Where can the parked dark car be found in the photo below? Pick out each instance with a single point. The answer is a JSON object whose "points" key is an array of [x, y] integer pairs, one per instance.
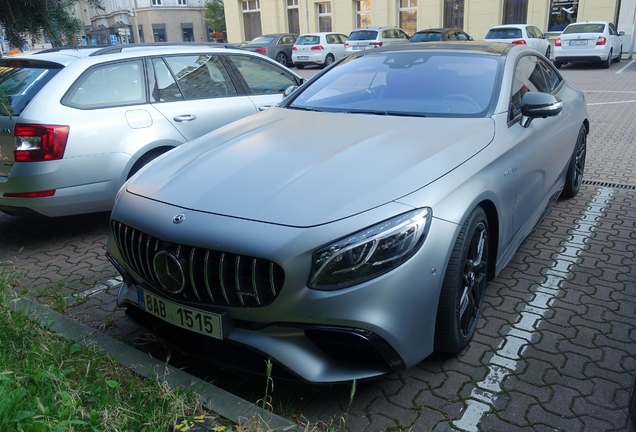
{"points": [[275, 46], [441, 34]]}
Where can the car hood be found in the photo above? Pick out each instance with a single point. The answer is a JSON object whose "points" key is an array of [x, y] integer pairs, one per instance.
{"points": [[300, 168]]}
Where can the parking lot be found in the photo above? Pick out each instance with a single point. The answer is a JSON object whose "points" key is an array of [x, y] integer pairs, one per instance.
{"points": [[555, 348]]}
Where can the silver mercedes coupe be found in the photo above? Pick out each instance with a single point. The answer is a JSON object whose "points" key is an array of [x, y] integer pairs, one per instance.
{"points": [[351, 231]]}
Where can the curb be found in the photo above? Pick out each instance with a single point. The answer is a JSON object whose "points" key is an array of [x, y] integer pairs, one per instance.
{"points": [[217, 400]]}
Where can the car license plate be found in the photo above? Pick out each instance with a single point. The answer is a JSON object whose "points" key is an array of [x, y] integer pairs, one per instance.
{"points": [[578, 42], [356, 47], [303, 57], [205, 323]]}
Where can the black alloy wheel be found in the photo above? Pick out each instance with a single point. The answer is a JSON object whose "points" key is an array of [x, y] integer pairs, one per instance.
{"points": [[465, 282], [328, 60], [281, 58], [576, 168]]}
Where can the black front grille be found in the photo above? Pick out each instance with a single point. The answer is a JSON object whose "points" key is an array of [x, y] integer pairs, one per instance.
{"points": [[212, 277]]}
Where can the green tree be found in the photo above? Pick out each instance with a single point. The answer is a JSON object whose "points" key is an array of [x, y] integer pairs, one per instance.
{"points": [[215, 15], [23, 19]]}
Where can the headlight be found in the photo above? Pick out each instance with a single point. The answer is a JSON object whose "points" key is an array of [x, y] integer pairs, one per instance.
{"points": [[371, 252]]}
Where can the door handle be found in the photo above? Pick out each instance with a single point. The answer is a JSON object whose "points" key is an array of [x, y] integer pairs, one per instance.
{"points": [[264, 107], [184, 118]]}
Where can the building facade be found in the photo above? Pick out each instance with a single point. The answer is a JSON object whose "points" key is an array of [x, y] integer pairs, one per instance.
{"points": [[247, 19], [154, 20]]}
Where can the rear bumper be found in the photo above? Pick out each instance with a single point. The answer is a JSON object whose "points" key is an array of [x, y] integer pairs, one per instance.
{"points": [[579, 59]]}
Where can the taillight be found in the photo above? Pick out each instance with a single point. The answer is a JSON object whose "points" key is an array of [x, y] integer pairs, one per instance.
{"points": [[317, 48], [519, 42], [346, 44], [376, 44], [294, 48], [261, 50], [39, 194], [602, 40], [37, 143], [557, 42]]}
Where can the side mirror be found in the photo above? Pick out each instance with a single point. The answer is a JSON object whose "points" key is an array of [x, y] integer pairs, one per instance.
{"points": [[539, 105], [289, 90], [470, 38], [621, 33]]}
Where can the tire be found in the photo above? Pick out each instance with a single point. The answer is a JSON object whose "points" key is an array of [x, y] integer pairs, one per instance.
{"points": [[632, 402], [606, 63], [144, 160], [281, 58], [299, 66], [547, 52], [557, 64], [328, 60], [576, 167], [465, 281], [620, 54]]}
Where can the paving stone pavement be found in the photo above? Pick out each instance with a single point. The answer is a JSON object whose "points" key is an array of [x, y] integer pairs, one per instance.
{"points": [[555, 348]]}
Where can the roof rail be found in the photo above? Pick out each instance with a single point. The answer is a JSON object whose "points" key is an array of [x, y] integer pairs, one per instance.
{"points": [[69, 48], [110, 49]]}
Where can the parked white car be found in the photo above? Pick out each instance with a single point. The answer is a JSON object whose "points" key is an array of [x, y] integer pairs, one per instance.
{"points": [[374, 37], [594, 41], [320, 49], [520, 34]]}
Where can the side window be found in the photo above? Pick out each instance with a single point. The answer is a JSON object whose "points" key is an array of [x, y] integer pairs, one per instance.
{"points": [[462, 36], [553, 80], [261, 76], [612, 29], [401, 34], [528, 78], [343, 38], [110, 85], [201, 76], [166, 89], [331, 39]]}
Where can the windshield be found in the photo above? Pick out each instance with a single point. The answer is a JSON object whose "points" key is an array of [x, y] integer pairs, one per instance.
{"points": [[504, 33], [584, 28], [413, 83]]}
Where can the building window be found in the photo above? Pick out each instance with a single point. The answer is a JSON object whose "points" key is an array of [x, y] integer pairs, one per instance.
{"points": [[293, 18], [324, 17], [562, 13], [454, 13], [515, 12], [159, 32], [156, 2], [182, 2], [407, 16], [363, 13], [187, 32], [251, 19]]}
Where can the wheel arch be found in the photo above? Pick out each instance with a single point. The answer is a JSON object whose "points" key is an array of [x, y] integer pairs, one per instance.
{"points": [[493, 238], [137, 161]]}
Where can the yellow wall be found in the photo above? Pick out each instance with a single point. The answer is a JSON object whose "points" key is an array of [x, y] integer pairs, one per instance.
{"points": [[479, 15]]}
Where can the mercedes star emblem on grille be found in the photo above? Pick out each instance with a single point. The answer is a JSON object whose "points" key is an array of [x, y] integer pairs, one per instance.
{"points": [[169, 271], [179, 218]]}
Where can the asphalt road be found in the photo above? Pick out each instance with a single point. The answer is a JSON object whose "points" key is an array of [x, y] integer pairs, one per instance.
{"points": [[555, 348]]}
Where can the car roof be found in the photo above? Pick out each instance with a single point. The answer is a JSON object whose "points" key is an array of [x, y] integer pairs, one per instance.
{"points": [[484, 47], [589, 22], [438, 30], [320, 33], [68, 55], [375, 28], [512, 26]]}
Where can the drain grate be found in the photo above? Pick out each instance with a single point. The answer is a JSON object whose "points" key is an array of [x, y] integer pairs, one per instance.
{"points": [[609, 184]]}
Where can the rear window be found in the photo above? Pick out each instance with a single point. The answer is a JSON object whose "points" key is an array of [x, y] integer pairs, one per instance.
{"points": [[261, 40], [585, 28], [426, 37], [21, 80], [308, 40], [363, 35], [504, 33]]}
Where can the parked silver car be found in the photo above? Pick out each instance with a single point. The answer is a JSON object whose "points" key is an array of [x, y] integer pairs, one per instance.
{"points": [[83, 121], [354, 250], [374, 37]]}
